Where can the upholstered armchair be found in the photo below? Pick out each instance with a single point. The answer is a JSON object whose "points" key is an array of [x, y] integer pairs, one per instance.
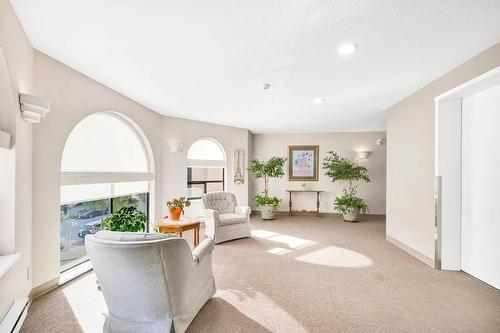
{"points": [[224, 219], [151, 282]]}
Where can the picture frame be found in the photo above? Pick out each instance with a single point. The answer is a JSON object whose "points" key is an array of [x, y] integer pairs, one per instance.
{"points": [[303, 163]]}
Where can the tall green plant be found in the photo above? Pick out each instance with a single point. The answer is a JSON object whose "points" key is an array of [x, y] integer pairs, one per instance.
{"points": [[272, 168], [125, 219], [343, 169]]}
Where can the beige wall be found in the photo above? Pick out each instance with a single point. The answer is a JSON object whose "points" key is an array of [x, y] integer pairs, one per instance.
{"points": [[18, 55], [73, 96], [266, 146], [410, 158], [175, 164]]}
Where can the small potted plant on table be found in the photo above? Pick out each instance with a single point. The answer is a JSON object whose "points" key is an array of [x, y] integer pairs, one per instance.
{"points": [[342, 169], [273, 168], [176, 207]]}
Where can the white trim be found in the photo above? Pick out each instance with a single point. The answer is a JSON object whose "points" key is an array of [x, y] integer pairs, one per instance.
{"points": [[14, 318], [80, 178], [7, 261], [448, 163], [473, 86], [206, 163], [75, 272], [422, 257]]}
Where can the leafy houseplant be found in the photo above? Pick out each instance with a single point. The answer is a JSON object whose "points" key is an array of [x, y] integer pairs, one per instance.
{"points": [[127, 218], [176, 207], [272, 168], [343, 169]]}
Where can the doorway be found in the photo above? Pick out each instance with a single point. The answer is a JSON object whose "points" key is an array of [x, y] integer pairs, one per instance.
{"points": [[467, 162]]}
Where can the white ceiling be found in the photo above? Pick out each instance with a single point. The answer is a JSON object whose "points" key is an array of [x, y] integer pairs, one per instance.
{"points": [[206, 60]]}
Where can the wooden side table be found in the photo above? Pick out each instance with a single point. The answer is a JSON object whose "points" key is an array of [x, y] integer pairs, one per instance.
{"points": [[179, 227], [290, 202]]}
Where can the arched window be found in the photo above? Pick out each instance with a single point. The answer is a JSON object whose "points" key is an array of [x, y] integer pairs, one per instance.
{"points": [[206, 168], [105, 166]]}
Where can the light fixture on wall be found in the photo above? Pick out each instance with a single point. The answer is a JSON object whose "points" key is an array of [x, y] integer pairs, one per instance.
{"points": [[363, 154], [33, 108], [175, 147], [380, 142]]}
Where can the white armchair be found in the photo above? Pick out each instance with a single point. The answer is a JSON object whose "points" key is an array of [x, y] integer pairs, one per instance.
{"points": [[224, 220], [151, 282]]}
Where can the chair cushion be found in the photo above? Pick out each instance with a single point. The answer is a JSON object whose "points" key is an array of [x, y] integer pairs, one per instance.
{"points": [[130, 236], [231, 218]]}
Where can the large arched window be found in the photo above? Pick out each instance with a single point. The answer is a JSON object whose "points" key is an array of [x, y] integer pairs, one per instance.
{"points": [[206, 168], [105, 165]]}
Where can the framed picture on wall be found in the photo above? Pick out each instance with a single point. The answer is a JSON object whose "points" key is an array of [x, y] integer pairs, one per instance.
{"points": [[303, 163]]}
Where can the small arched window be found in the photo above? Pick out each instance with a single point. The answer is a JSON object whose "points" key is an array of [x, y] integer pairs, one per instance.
{"points": [[206, 168], [104, 166]]}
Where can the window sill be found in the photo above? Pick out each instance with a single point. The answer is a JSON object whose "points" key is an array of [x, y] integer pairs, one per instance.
{"points": [[75, 272], [6, 262]]}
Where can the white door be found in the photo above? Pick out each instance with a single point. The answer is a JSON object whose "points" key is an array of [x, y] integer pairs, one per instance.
{"points": [[480, 234]]}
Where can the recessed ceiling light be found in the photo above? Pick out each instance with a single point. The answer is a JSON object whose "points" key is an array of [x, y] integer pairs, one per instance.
{"points": [[347, 48], [319, 100]]}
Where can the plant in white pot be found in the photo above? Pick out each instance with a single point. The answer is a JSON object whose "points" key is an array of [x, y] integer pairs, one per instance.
{"points": [[272, 168], [343, 169]]}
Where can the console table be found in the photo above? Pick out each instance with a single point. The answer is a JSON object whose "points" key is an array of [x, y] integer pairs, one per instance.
{"points": [[311, 212]]}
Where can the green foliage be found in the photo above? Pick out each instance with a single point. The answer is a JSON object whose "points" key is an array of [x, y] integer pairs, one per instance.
{"points": [[272, 168], [262, 200], [178, 203], [339, 168], [125, 219], [120, 202], [96, 204], [348, 202]]}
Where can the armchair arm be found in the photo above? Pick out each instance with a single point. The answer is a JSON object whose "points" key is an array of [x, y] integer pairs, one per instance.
{"points": [[211, 222], [206, 247], [244, 210]]}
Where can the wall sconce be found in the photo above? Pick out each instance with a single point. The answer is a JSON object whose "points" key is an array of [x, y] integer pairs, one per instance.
{"points": [[363, 154], [380, 142], [5, 139], [33, 108], [175, 147]]}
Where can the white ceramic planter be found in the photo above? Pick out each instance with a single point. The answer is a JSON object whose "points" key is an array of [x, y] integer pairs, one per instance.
{"points": [[267, 212], [352, 216]]}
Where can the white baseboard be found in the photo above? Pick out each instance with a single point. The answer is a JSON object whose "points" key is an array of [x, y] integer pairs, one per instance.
{"points": [[14, 318], [422, 257]]}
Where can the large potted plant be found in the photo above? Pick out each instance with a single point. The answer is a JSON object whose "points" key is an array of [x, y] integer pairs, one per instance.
{"points": [[127, 218], [272, 168], [343, 169], [176, 207]]}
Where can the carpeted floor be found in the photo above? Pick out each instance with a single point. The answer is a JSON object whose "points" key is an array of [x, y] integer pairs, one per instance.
{"points": [[304, 274]]}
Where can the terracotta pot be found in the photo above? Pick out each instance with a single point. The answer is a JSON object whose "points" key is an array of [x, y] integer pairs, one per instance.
{"points": [[175, 213]]}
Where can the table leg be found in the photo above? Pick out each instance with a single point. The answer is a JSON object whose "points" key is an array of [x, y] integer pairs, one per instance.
{"points": [[317, 204], [196, 237], [290, 203]]}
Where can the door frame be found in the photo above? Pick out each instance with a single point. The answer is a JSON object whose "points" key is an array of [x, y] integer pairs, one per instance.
{"points": [[448, 168]]}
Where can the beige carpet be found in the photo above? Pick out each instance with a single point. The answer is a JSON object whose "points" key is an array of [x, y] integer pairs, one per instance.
{"points": [[304, 274]]}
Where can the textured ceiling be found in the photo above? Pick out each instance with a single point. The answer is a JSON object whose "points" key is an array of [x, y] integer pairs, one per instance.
{"points": [[207, 60]]}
